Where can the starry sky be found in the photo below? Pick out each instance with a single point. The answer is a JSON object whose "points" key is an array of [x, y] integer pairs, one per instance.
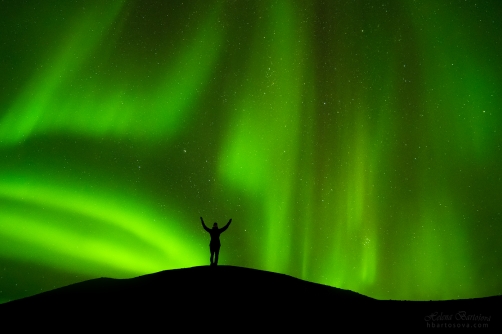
{"points": [[354, 143]]}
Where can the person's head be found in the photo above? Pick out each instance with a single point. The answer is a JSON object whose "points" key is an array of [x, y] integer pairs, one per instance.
{"points": [[215, 225]]}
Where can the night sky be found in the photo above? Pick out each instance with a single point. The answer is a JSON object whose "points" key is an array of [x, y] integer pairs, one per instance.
{"points": [[354, 143]]}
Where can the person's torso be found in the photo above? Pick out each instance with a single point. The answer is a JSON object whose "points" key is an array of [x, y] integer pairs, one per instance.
{"points": [[215, 235]]}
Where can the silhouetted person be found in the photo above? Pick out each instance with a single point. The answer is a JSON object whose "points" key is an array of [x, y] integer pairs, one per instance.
{"points": [[214, 245]]}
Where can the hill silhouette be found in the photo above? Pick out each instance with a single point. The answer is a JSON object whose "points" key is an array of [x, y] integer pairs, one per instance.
{"points": [[232, 298]]}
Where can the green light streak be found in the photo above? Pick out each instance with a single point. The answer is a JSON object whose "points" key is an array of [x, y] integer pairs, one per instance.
{"points": [[36, 105], [150, 242], [59, 100]]}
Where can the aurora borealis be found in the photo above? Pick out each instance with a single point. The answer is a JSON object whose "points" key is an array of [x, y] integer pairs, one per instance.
{"points": [[353, 143]]}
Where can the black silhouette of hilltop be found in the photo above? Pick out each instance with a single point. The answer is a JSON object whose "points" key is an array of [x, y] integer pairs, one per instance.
{"points": [[231, 299]]}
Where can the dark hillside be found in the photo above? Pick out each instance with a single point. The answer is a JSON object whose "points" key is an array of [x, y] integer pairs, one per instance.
{"points": [[230, 298]]}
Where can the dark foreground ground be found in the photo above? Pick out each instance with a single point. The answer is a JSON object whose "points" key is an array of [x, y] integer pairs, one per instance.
{"points": [[234, 299]]}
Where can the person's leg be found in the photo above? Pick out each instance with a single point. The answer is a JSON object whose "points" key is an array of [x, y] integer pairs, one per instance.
{"points": [[212, 255], [217, 252]]}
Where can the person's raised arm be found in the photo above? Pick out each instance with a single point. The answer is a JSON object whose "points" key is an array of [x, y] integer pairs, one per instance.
{"points": [[204, 225], [226, 226]]}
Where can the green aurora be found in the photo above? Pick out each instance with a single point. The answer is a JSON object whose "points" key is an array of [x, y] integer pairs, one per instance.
{"points": [[353, 143]]}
